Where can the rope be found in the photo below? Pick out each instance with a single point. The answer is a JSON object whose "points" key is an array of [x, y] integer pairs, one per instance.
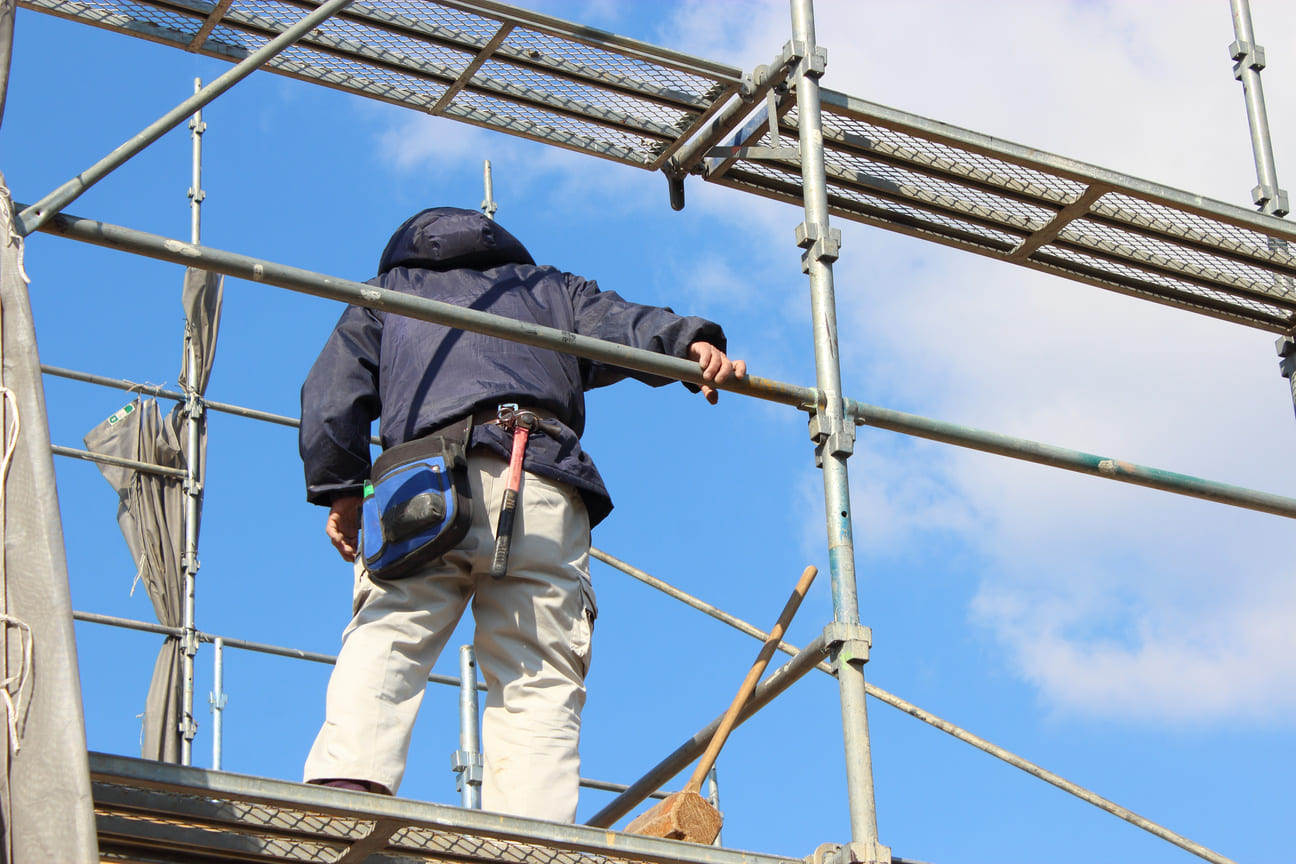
{"points": [[13, 687], [13, 701], [14, 238]]}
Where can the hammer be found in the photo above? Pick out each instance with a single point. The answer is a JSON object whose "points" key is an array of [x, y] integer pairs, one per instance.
{"points": [[686, 815]]}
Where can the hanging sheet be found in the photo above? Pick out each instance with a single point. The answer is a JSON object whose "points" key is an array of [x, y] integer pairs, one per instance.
{"points": [[47, 809], [150, 511]]}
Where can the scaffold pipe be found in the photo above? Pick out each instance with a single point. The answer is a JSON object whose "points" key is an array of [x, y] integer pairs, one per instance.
{"points": [[1071, 460], [307, 282]]}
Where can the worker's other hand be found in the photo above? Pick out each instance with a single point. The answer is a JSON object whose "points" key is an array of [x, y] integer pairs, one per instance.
{"points": [[343, 526], [716, 367]]}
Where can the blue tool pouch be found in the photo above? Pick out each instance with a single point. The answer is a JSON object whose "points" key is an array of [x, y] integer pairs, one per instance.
{"points": [[417, 505]]}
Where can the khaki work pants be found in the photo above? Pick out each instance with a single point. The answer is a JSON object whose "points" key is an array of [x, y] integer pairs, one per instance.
{"points": [[532, 639]]}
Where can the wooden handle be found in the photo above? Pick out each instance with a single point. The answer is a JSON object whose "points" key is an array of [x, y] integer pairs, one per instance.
{"points": [[730, 717]]}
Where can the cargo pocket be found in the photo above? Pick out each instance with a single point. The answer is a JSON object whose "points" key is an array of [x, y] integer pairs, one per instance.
{"points": [[583, 629], [361, 588]]}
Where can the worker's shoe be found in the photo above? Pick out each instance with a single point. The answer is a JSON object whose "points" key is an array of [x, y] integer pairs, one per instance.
{"points": [[355, 785]]}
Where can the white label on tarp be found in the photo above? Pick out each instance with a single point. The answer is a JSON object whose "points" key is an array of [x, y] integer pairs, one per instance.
{"points": [[122, 414]]}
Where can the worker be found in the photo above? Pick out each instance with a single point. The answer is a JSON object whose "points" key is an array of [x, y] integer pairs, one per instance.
{"points": [[454, 405]]}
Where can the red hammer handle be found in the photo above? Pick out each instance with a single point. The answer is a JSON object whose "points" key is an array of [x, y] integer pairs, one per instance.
{"points": [[508, 509]]}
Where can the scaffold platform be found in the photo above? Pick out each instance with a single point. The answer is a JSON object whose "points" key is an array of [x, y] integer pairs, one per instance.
{"points": [[538, 77], [171, 814]]}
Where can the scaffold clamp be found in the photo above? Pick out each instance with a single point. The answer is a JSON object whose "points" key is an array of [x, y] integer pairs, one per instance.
{"points": [[848, 642], [871, 852], [837, 440], [1246, 56], [193, 405], [468, 766], [822, 244], [1286, 348], [798, 51], [1271, 201], [188, 727]]}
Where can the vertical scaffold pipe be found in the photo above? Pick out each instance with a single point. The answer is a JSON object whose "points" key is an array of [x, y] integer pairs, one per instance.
{"points": [[196, 194], [193, 479], [218, 701], [1248, 60], [488, 203], [834, 434], [468, 761], [713, 798]]}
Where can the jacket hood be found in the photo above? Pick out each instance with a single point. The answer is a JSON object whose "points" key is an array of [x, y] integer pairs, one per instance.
{"points": [[448, 238]]}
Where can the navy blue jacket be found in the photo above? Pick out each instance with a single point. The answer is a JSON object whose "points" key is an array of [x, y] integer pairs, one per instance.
{"points": [[419, 376]]}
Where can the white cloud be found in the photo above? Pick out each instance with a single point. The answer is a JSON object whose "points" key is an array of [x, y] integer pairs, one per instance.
{"points": [[1156, 660], [906, 498], [1112, 601], [431, 147], [713, 281], [421, 142]]}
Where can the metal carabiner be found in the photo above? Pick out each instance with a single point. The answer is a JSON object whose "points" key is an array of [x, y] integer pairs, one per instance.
{"points": [[506, 415]]}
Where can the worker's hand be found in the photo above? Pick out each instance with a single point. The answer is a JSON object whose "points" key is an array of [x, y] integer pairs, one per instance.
{"points": [[715, 367], [343, 526]]}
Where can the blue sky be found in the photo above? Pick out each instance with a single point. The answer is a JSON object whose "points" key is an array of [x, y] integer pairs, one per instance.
{"points": [[1134, 642]]}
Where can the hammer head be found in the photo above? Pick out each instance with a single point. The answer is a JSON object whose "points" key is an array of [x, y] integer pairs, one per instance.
{"points": [[683, 816]]}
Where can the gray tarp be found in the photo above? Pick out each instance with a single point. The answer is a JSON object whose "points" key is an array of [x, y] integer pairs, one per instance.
{"points": [[47, 807], [203, 293], [151, 507], [149, 513]]}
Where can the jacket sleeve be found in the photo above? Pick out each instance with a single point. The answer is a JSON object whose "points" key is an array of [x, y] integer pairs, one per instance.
{"points": [[605, 315], [339, 402]]}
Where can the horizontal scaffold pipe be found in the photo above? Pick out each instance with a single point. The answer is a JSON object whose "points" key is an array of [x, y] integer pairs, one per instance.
{"points": [[1071, 460], [228, 642], [347, 291], [162, 393], [927, 717], [118, 461], [360, 294]]}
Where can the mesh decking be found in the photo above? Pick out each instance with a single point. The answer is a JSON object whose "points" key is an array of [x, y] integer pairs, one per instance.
{"points": [[923, 178], [515, 71], [154, 812]]}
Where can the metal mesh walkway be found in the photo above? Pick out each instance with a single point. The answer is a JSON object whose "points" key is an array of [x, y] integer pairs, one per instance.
{"points": [[155, 812], [515, 71], [557, 82], [963, 189]]}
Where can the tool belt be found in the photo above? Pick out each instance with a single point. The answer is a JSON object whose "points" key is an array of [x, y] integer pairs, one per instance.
{"points": [[417, 505]]}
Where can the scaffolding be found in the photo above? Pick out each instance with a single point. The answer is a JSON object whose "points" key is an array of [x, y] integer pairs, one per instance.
{"points": [[534, 76]]}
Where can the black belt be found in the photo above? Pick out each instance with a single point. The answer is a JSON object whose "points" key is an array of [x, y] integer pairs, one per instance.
{"points": [[492, 416]]}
